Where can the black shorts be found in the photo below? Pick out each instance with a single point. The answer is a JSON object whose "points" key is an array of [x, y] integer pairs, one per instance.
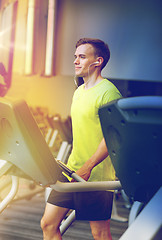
{"points": [[90, 206]]}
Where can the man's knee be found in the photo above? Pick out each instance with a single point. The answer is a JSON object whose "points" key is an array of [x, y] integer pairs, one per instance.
{"points": [[96, 233], [51, 220], [99, 234], [43, 223], [48, 227], [101, 230]]}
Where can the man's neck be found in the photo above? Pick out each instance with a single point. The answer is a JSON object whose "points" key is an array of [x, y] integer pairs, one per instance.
{"points": [[92, 80]]}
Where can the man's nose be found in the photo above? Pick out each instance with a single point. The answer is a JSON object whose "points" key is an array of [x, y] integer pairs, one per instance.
{"points": [[76, 61]]}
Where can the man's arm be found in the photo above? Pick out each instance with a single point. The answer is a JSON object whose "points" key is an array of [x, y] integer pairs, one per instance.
{"points": [[97, 157]]}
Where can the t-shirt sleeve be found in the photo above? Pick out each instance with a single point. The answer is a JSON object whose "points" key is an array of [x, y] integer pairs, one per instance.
{"points": [[111, 95]]}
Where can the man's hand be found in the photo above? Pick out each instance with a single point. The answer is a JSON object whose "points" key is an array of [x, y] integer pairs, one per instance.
{"points": [[83, 172], [98, 156]]}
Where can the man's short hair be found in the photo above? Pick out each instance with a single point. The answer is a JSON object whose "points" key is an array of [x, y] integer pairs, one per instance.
{"points": [[100, 47]]}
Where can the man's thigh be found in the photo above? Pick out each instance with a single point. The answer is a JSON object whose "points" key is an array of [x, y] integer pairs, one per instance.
{"points": [[54, 214]]}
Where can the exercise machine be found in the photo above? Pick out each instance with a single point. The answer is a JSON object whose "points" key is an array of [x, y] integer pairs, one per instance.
{"points": [[25, 153], [134, 126]]}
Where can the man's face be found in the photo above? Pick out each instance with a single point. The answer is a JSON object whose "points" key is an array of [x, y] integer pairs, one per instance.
{"points": [[84, 57]]}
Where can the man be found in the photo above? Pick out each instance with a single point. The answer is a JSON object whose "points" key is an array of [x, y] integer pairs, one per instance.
{"points": [[89, 156]]}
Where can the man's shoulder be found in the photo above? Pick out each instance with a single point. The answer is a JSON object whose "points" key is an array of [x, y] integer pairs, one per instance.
{"points": [[108, 83]]}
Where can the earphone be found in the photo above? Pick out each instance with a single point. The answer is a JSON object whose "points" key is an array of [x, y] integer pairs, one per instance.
{"points": [[75, 82], [94, 63], [88, 73]]}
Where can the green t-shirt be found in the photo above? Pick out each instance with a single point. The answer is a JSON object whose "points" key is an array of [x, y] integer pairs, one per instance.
{"points": [[87, 132]]}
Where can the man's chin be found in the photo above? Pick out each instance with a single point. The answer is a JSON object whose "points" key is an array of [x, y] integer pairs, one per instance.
{"points": [[77, 74]]}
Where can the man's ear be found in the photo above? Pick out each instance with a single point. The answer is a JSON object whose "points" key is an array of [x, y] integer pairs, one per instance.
{"points": [[100, 61]]}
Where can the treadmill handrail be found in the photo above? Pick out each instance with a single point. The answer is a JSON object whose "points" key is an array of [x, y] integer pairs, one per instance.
{"points": [[4, 167], [10, 196], [86, 186], [147, 102]]}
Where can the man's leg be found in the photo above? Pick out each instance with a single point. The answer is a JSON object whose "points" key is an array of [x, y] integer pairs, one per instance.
{"points": [[51, 221], [101, 230]]}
